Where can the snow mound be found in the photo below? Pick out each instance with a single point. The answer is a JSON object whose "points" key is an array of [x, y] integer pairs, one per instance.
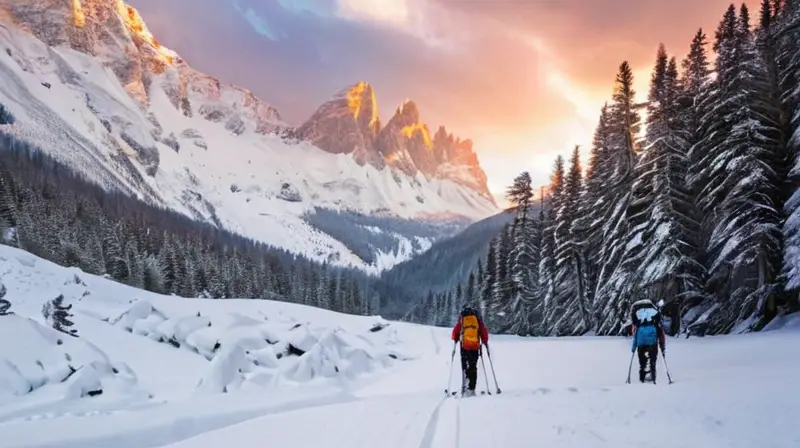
{"points": [[246, 353], [338, 354], [142, 358], [50, 362]]}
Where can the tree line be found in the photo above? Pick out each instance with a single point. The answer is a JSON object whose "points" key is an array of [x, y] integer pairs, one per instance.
{"points": [[701, 211], [55, 213]]}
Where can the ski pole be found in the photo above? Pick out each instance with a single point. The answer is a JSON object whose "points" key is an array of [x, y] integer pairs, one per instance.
{"points": [[485, 376], [450, 376], [666, 367], [629, 369], [491, 364]]}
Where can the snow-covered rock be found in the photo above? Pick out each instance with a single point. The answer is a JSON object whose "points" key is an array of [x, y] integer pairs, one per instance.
{"points": [[39, 361]]}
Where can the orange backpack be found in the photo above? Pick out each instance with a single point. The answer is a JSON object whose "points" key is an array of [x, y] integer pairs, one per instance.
{"points": [[470, 332]]}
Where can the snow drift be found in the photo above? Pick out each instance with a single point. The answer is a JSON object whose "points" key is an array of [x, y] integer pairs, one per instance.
{"points": [[132, 345]]}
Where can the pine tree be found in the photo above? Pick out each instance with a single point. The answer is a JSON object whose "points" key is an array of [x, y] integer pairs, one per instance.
{"points": [[741, 191], [498, 309], [520, 194], [547, 264], [787, 34], [458, 301], [572, 311], [523, 258], [594, 212], [623, 149], [661, 258], [488, 279], [469, 298]]}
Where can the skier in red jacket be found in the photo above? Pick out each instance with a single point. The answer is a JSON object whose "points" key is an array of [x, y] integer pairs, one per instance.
{"points": [[472, 333]]}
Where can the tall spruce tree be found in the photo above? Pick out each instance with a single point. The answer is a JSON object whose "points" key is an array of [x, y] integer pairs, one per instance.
{"points": [[523, 258], [741, 194], [788, 52], [624, 147], [547, 263], [570, 312]]}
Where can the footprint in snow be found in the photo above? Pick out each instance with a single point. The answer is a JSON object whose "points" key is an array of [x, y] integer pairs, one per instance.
{"points": [[713, 421], [572, 389]]}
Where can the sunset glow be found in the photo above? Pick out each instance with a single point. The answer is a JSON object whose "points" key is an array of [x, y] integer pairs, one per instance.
{"points": [[135, 23], [78, 17], [525, 81], [354, 102], [421, 129]]}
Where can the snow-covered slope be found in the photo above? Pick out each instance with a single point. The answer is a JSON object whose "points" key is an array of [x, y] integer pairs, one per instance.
{"points": [[141, 353], [166, 382], [131, 115]]}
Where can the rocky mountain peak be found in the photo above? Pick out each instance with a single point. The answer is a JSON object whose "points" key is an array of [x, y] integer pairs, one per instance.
{"points": [[349, 123], [363, 103], [116, 34]]}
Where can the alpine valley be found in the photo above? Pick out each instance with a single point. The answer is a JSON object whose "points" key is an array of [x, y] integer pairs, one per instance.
{"points": [[89, 85]]}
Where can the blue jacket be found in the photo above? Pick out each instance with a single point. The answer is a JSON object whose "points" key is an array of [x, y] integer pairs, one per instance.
{"points": [[647, 336]]}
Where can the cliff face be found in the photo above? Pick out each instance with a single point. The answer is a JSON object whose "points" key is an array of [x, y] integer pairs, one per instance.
{"points": [[349, 124], [115, 33]]}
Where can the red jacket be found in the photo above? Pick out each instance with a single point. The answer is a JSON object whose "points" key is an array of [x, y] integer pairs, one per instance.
{"points": [[481, 329]]}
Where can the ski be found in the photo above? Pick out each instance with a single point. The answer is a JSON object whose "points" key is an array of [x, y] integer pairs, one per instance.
{"points": [[475, 394]]}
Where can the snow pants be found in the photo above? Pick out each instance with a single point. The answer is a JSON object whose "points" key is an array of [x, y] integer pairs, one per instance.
{"points": [[469, 368], [647, 353]]}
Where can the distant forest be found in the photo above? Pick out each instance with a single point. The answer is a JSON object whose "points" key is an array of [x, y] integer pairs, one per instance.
{"points": [[702, 213], [53, 212]]}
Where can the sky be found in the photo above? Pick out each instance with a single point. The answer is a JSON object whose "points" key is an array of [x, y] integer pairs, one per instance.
{"points": [[524, 79]]}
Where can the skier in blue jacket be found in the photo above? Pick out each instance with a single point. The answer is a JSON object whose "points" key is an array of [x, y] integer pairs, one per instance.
{"points": [[648, 336]]}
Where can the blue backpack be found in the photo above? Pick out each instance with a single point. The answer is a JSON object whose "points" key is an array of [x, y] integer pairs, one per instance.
{"points": [[646, 319]]}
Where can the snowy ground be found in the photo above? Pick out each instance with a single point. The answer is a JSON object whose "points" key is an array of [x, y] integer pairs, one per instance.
{"points": [[354, 387]]}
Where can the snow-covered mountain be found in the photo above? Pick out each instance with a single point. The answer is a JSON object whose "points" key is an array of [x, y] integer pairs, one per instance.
{"points": [[90, 85]]}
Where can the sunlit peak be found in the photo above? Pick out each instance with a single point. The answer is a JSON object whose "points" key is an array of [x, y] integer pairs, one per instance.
{"points": [[420, 128], [355, 101], [78, 16], [137, 26]]}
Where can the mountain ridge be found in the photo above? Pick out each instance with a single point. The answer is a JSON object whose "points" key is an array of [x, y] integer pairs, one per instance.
{"points": [[350, 122], [93, 88], [115, 32]]}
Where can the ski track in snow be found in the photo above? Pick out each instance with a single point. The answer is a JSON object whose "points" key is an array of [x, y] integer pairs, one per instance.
{"points": [[431, 427], [730, 391]]}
